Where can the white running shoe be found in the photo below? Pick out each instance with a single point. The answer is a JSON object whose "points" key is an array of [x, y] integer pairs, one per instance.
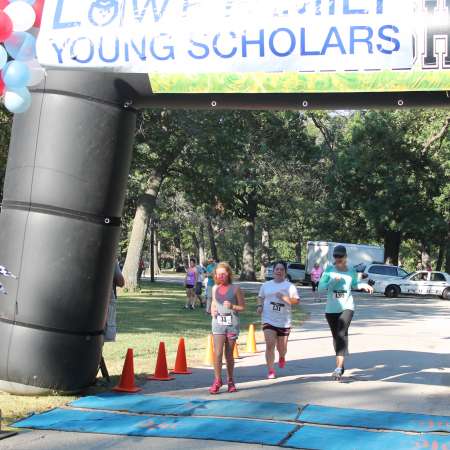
{"points": [[337, 374]]}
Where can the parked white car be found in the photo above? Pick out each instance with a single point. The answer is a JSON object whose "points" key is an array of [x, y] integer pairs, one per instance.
{"points": [[417, 283], [379, 272], [295, 272]]}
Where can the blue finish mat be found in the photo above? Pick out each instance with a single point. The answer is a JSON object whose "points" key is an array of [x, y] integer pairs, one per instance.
{"points": [[317, 438], [244, 431], [287, 412], [377, 420]]}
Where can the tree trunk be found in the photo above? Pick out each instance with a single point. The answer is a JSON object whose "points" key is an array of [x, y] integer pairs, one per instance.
{"points": [[447, 255], [441, 255], [158, 256], [447, 259], [248, 257], [265, 253], [392, 241], [152, 253], [156, 252], [201, 245], [425, 254], [139, 232], [212, 241], [179, 258], [237, 262], [196, 245], [298, 251], [174, 261]]}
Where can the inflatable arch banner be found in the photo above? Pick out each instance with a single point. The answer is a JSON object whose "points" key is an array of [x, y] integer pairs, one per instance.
{"points": [[255, 46], [66, 176]]}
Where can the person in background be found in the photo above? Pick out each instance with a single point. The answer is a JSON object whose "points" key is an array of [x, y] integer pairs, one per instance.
{"points": [[111, 327], [141, 269], [110, 331], [275, 301], [227, 302], [190, 283], [316, 273], [339, 280], [210, 274], [429, 268], [199, 285]]}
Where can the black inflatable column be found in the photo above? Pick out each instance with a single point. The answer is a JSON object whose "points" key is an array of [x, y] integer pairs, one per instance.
{"points": [[59, 228]]}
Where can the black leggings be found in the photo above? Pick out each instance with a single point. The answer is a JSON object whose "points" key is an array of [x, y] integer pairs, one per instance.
{"points": [[339, 324]]}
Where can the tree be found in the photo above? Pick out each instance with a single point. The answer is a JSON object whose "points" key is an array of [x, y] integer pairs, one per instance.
{"points": [[247, 147], [160, 140], [387, 173]]}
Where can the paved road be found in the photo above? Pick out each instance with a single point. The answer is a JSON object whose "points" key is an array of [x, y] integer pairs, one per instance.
{"points": [[399, 362]]}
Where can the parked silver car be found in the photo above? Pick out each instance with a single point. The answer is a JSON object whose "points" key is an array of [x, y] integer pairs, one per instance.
{"points": [[377, 272]]}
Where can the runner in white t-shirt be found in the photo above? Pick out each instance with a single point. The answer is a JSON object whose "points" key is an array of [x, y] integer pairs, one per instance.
{"points": [[275, 302]]}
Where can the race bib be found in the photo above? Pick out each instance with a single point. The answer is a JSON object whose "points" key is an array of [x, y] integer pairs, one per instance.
{"points": [[276, 307], [225, 320], [338, 295]]}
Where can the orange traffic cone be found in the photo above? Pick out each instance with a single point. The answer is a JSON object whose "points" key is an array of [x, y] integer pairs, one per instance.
{"points": [[161, 372], [126, 383], [236, 351], [251, 340], [210, 354], [181, 367]]}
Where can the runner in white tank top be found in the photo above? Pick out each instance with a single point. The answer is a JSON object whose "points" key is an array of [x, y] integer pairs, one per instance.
{"points": [[275, 301]]}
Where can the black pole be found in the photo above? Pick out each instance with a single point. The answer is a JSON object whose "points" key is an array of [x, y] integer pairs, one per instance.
{"points": [[59, 229], [152, 252]]}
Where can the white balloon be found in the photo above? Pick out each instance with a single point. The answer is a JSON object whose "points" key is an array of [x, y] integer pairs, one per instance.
{"points": [[17, 101], [21, 14], [37, 72]]}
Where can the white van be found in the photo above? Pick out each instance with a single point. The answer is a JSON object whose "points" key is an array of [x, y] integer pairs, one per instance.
{"points": [[358, 254]]}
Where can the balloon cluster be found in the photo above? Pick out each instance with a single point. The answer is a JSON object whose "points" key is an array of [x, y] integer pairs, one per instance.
{"points": [[19, 24]]}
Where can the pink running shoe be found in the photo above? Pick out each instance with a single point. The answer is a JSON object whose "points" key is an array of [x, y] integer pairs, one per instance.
{"points": [[282, 363], [272, 375], [231, 386], [215, 388]]}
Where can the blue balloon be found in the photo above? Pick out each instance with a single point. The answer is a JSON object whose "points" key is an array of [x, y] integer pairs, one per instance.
{"points": [[21, 46], [30, 2], [3, 57], [17, 101], [16, 74]]}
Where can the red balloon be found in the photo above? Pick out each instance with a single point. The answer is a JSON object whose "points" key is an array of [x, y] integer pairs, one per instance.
{"points": [[6, 26], [4, 4], [38, 8]]}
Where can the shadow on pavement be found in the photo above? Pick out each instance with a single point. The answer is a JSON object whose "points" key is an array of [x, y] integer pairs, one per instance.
{"points": [[389, 366]]}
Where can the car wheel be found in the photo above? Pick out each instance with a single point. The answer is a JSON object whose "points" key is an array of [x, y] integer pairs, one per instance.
{"points": [[446, 294], [392, 291]]}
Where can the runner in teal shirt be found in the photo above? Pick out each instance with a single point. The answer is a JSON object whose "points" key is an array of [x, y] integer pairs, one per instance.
{"points": [[339, 285], [339, 280]]}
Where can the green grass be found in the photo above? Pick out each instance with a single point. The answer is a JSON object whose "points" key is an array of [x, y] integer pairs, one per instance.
{"points": [[144, 320]]}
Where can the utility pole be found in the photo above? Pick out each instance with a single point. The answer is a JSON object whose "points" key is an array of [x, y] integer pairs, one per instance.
{"points": [[152, 251]]}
